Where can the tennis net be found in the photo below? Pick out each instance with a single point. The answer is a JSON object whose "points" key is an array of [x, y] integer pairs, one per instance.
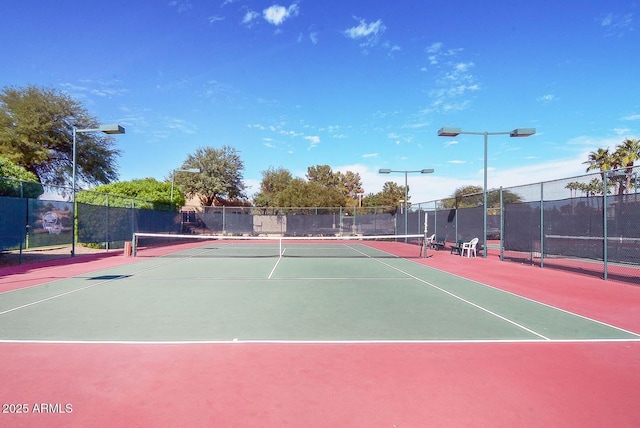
{"points": [[174, 245]]}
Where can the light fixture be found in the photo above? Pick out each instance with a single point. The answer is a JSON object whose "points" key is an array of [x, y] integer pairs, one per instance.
{"points": [[454, 132], [406, 192], [107, 129]]}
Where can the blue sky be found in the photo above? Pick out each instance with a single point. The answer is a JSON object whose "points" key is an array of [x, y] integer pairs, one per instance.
{"points": [[358, 85]]}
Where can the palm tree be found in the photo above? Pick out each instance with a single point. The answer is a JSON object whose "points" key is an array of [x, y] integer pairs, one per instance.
{"points": [[625, 155], [573, 187], [600, 160]]}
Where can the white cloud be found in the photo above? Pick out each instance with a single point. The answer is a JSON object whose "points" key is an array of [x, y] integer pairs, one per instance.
{"points": [[180, 125], [314, 140], [215, 18], [462, 67], [455, 81], [547, 98], [367, 31], [219, 92], [181, 5], [368, 35], [621, 131], [540, 172], [617, 25], [632, 117], [593, 143], [391, 47], [250, 16], [277, 14], [436, 53], [434, 48], [99, 88]]}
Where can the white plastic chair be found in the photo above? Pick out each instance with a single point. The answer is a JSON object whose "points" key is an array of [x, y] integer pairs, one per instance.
{"points": [[469, 247], [430, 240]]}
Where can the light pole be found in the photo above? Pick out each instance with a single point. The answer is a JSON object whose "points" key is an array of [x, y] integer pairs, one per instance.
{"points": [[454, 132], [107, 129], [173, 176], [406, 192]]}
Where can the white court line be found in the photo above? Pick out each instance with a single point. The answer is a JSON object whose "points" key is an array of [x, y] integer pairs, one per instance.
{"points": [[282, 255], [61, 295], [316, 342], [55, 296], [448, 293], [529, 299], [275, 266], [462, 299], [172, 261]]}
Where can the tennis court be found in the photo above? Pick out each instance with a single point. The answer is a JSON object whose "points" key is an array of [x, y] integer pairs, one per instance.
{"points": [[358, 332]]}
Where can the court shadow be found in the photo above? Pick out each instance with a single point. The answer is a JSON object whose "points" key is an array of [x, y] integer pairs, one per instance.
{"points": [[107, 277]]}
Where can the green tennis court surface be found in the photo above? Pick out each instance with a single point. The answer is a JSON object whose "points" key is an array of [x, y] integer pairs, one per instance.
{"points": [[225, 292]]}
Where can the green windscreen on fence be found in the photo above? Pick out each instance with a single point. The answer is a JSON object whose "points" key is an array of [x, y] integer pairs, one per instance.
{"points": [[13, 212]]}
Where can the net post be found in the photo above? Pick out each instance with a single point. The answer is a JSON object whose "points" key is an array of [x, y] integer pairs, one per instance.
{"points": [[424, 247], [134, 244]]}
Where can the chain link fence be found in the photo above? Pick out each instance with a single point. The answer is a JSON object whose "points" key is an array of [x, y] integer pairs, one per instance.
{"points": [[571, 224], [574, 224]]}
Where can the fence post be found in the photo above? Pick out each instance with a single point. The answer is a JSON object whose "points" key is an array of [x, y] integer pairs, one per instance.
{"points": [[455, 239], [354, 228], [26, 228], [106, 230], [604, 225], [501, 226], [435, 218], [224, 220], [541, 225]]}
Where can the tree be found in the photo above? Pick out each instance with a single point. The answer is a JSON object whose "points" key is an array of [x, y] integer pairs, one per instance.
{"points": [[473, 196], [601, 160], [301, 193], [625, 156], [17, 181], [273, 182], [36, 132], [220, 181], [322, 188], [323, 174], [350, 184], [465, 197], [390, 196], [148, 193], [573, 187]]}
